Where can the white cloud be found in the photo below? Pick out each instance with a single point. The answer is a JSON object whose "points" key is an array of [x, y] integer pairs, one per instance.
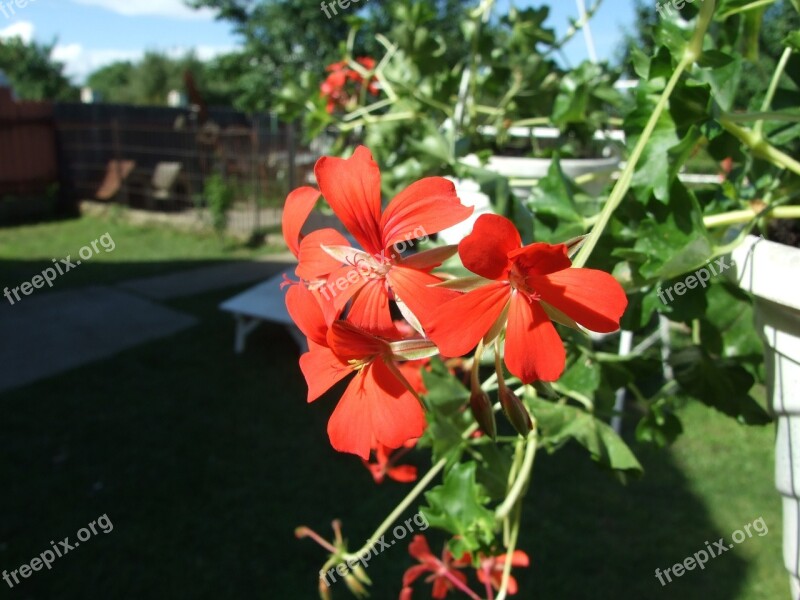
{"points": [[175, 9], [21, 29], [80, 62]]}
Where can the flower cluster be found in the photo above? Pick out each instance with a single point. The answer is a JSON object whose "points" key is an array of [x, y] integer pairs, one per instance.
{"points": [[516, 292], [445, 573], [344, 83]]}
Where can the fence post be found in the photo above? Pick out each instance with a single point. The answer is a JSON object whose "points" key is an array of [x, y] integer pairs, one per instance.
{"points": [[118, 159], [254, 179]]}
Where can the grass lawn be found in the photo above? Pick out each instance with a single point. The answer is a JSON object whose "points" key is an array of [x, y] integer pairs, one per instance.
{"points": [[205, 462], [138, 251]]}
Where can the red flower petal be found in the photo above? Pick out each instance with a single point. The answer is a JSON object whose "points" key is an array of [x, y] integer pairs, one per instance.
{"points": [[315, 263], [485, 250], [322, 370], [460, 324], [306, 312], [417, 290], [342, 285], [403, 473], [298, 206], [425, 207], [541, 259], [419, 549], [353, 189], [534, 352], [375, 406], [518, 559], [351, 343], [370, 309], [411, 575], [592, 298]]}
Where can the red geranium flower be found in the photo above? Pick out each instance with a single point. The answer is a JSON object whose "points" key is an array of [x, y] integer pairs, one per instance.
{"points": [[384, 464], [491, 570], [377, 407], [334, 88], [530, 286], [378, 273], [444, 573]]}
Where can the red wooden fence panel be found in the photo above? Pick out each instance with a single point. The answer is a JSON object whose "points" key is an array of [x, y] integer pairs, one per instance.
{"points": [[28, 158]]}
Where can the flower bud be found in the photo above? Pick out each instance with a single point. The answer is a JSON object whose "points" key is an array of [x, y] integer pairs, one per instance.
{"points": [[516, 412], [324, 589], [358, 590], [484, 414]]}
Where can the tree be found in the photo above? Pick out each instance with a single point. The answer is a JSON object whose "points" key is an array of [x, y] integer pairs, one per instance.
{"points": [[33, 73], [283, 38], [150, 80], [113, 82]]}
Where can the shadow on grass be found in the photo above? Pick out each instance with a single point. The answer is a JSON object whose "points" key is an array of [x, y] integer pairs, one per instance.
{"points": [[14, 273], [205, 462]]}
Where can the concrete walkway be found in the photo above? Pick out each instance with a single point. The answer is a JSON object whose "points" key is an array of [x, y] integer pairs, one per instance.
{"points": [[55, 332]]}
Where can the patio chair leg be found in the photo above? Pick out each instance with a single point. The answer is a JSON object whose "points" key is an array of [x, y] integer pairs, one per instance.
{"points": [[625, 344], [244, 327]]}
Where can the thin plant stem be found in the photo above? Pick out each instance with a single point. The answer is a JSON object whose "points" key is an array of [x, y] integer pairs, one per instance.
{"points": [[408, 500], [622, 186], [773, 87]]}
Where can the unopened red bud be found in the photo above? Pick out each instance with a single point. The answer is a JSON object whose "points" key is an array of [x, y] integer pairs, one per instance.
{"points": [[324, 590], [484, 414], [516, 412]]}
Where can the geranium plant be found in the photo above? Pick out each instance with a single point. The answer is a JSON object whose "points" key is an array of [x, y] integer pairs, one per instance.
{"points": [[431, 342]]}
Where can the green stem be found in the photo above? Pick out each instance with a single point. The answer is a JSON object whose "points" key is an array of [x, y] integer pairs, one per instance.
{"points": [[523, 477], [760, 147], [743, 216], [763, 116], [512, 545], [693, 51], [773, 87], [746, 7], [407, 501]]}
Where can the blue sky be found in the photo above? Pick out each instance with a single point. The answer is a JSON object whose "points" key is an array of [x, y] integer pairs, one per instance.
{"points": [[92, 33]]}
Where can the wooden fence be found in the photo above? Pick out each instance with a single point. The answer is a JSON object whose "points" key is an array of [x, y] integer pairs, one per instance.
{"points": [[28, 155]]}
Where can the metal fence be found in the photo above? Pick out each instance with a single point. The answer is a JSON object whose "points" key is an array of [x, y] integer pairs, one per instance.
{"points": [[160, 160]]}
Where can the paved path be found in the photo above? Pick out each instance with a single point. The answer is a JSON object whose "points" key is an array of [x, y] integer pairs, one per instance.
{"points": [[54, 332], [207, 279]]}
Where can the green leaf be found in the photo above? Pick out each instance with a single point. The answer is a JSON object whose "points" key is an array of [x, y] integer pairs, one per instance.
{"points": [[447, 420], [723, 73], [719, 383], [673, 239], [561, 422], [660, 425], [458, 506], [446, 393], [727, 326]]}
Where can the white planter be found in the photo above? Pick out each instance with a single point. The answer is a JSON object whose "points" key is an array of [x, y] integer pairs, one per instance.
{"points": [[769, 271], [470, 194], [536, 168], [522, 168]]}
